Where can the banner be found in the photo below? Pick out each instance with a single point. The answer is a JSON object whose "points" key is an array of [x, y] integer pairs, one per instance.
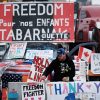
{"points": [[16, 50], [33, 92], [95, 63], [30, 54], [37, 22], [59, 90], [37, 69]]}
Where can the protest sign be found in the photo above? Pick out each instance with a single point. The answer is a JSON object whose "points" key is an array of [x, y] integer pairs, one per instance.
{"points": [[77, 65], [81, 70], [95, 63], [35, 91], [37, 69], [37, 22], [59, 90], [30, 54], [16, 50]]}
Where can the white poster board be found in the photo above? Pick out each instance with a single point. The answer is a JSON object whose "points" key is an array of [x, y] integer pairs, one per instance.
{"points": [[30, 54], [37, 69], [59, 90], [34, 91], [95, 63], [16, 50]]}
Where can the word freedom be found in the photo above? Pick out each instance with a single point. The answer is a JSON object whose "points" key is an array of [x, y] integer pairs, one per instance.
{"points": [[28, 9], [33, 90], [33, 35]]}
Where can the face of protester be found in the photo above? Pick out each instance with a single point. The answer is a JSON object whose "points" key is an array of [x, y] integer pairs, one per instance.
{"points": [[62, 57]]}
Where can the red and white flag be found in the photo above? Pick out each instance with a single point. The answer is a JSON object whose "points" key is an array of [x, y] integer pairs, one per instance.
{"points": [[14, 68], [23, 69], [85, 54]]}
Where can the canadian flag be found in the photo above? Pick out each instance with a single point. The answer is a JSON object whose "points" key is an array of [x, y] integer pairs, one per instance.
{"points": [[85, 54]]}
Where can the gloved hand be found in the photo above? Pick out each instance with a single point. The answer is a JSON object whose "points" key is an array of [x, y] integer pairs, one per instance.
{"points": [[65, 79], [43, 78]]}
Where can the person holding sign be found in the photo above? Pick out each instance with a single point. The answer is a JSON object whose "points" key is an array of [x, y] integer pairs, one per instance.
{"points": [[63, 67]]}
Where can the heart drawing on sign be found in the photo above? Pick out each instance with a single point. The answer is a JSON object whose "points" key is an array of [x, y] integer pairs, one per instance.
{"points": [[88, 86]]}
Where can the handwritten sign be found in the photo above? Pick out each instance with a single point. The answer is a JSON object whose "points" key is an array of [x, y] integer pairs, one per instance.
{"points": [[59, 90], [37, 22], [33, 92], [30, 54], [95, 63], [81, 70], [16, 50], [85, 96], [37, 69]]}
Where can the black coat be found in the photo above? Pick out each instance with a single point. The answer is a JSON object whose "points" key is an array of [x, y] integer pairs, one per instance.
{"points": [[61, 69]]}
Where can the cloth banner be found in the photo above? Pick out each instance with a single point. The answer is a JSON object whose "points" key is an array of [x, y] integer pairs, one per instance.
{"points": [[37, 22]]}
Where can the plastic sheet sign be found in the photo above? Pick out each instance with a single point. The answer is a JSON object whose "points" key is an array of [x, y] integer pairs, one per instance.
{"points": [[37, 69], [30, 54], [16, 50], [33, 91], [95, 63], [59, 90], [37, 22]]}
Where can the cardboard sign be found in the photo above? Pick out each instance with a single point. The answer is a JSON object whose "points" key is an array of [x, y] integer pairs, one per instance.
{"points": [[95, 63], [33, 92], [16, 50], [37, 69], [30, 54], [37, 22], [59, 90]]}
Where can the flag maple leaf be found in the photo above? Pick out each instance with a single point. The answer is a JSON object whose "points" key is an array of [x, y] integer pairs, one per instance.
{"points": [[86, 54]]}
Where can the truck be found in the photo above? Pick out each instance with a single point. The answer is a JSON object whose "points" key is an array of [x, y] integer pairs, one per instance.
{"points": [[87, 18]]}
